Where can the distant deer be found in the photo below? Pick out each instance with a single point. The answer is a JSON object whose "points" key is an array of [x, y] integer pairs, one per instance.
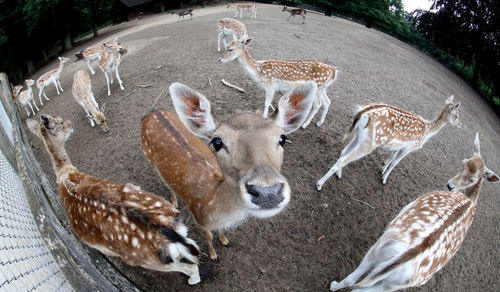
{"points": [[232, 27], [295, 11], [26, 97], [118, 220], [82, 92], [424, 236], [16, 90], [95, 52], [110, 62], [381, 125], [183, 13], [248, 7], [238, 174], [51, 77], [272, 75]]}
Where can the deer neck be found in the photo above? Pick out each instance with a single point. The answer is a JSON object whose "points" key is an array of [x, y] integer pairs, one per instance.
{"points": [[60, 159], [250, 64], [59, 68], [437, 124], [473, 191]]}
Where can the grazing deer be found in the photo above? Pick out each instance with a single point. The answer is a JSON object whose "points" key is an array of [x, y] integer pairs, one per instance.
{"points": [[238, 174], [26, 97], [50, 77], [230, 26], [118, 220], [381, 125], [95, 52], [109, 63], [82, 92], [184, 13], [424, 236], [274, 75], [295, 11], [248, 7]]}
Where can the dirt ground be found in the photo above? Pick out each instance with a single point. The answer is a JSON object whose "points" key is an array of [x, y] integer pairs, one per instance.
{"points": [[283, 253]]}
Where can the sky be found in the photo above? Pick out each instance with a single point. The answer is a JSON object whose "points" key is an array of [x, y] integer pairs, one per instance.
{"points": [[410, 5]]}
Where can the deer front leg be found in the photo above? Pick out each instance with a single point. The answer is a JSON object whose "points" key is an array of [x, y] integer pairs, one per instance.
{"points": [[31, 108], [219, 36], [89, 116], [211, 251], [107, 82], [325, 102], [40, 91], [59, 83], [89, 64], [26, 109], [34, 103], [269, 98], [57, 87], [390, 160], [45, 94], [119, 79], [223, 239], [236, 13]]}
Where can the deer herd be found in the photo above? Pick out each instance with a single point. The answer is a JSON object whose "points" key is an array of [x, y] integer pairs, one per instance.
{"points": [[228, 170]]}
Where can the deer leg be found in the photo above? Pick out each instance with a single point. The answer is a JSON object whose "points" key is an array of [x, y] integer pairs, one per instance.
{"points": [[57, 87], [303, 19], [390, 160], [188, 269], [89, 116], [37, 109], [26, 109], [219, 36], [313, 112], [366, 265], [90, 67], [92, 98], [289, 17], [31, 108], [223, 239], [400, 155], [236, 13], [269, 98], [45, 94], [40, 91], [59, 83], [119, 79], [107, 82], [325, 102], [211, 251]]}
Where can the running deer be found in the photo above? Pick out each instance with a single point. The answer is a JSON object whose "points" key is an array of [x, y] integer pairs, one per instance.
{"points": [[232, 27], [248, 7], [295, 11], [381, 125], [26, 97], [238, 174], [274, 75], [51, 77], [424, 236], [82, 92], [118, 220], [95, 52], [109, 63], [184, 13]]}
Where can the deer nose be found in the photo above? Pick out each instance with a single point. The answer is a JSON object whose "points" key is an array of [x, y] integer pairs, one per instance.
{"points": [[266, 197], [450, 187]]}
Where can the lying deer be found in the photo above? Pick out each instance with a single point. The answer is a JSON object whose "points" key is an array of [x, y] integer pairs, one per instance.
{"points": [[381, 125], [424, 236], [52, 76], [109, 63], [82, 92], [295, 11], [284, 75], [118, 220], [184, 13], [95, 52], [238, 174], [232, 27], [248, 7], [26, 97]]}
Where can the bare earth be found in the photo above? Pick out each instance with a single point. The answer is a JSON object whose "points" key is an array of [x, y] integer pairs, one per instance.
{"points": [[284, 253]]}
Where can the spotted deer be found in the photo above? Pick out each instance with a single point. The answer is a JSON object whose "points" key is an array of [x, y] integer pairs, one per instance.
{"points": [[51, 77], [82, 93], [295, 11], [95, 52], [247, 7], [379, 125], [118, 220], [274, 75], [232, 27], [16, 90], [238, 174], [109, 63], [26, 97], [424, 236]]}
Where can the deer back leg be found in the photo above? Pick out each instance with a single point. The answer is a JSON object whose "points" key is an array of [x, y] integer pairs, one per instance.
{"points": [[400, 155], [211, 251], [269, 99], [325, 102], [315, 108], [89, 64]]}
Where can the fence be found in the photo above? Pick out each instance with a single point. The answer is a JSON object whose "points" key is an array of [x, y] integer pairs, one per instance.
{"points": [[38, 250]]}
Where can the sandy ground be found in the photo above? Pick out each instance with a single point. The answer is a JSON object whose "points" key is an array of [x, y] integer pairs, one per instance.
{"points": [[283, 253]]}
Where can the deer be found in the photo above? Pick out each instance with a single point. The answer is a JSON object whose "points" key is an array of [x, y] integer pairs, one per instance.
{"points": [[82, 93], [118, 220], [379, 125], [424, 236], [16, 90], [24, 98], [272, 75], [52, 76], [233, 171], [95, 52], [183, 13], [248, 7], [295, 11], [109, 62], [230, 26]]}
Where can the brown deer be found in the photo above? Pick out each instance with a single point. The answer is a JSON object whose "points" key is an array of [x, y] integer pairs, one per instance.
{"points": [[381, 125], [24, 98], [110, 62], [82, 93], [232, 27], [95, 52], [295, 11], [272, 75], [183, 13], [52, 76], [118, 220], [238, 174], [248, 7], [424, 236]]}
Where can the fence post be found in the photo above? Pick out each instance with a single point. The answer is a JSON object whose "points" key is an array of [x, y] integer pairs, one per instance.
{"points": [[6, 114]]}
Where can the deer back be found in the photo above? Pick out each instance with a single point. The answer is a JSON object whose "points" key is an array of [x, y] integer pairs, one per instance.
{"points": [[81, 87]]}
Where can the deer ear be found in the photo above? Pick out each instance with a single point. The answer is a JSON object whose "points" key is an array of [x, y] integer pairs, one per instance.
{"points": [[34, 126], [491, 176], [477, 146], [245, 41], [450, 99], [193, 109], [47, 123], [294, 106]]}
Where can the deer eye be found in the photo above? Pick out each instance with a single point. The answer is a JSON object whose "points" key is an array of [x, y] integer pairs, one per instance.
{"points": [[231, 50], [283, 139], [217, 142]]}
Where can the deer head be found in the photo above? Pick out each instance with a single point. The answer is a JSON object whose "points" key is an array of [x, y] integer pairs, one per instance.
{"points": [[63, 59], [29, 82], [234, 49], [452, 113]]}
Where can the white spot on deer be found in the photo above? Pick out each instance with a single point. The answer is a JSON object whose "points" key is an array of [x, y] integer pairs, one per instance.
{"points": [[158, 204], [135, 242]]}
